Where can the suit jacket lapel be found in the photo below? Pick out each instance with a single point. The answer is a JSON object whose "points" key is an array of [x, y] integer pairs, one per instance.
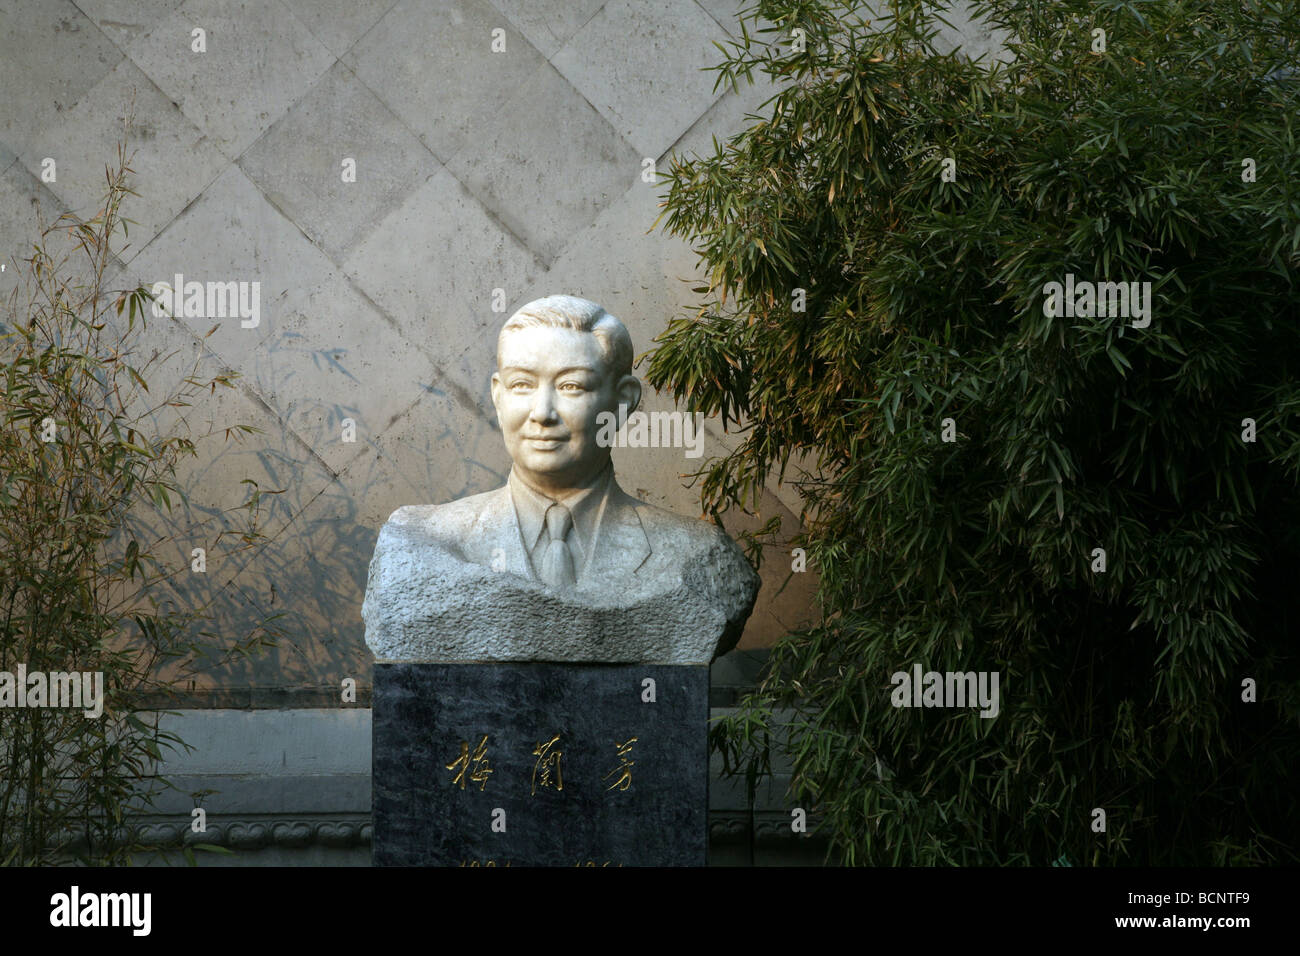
{"points": [[498, 527], [621, 541], [622, 545]]}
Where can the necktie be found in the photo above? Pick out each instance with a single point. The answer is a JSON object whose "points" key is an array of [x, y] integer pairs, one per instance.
{"points": [[557, 560]]}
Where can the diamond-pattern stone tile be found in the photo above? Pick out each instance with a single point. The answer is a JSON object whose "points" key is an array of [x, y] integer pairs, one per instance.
{"points": [[434, 66], [731, 114], [232, 234], [976, 38], [51, 55], [242, 582], [335, 358], [298, 164], [639, 63], [122, 21], [172, 161], [166, 353], [727, 14], [433, 264], [339, 23], [518, 165], [25, 205], [315, 576], [548, 24], [260, 59], [438, 450]]}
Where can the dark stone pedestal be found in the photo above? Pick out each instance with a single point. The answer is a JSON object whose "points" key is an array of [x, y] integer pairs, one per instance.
{"points": [[540, 764]]}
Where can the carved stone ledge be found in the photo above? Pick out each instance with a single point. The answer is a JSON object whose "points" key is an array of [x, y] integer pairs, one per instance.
{"points": [[254, 834]]}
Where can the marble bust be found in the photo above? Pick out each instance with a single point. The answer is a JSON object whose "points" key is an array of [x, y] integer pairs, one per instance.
{"points": [[559, 563]]}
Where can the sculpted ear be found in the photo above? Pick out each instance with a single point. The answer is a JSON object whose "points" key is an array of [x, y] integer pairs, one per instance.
{"points": [[628, 394], [496, 394]]}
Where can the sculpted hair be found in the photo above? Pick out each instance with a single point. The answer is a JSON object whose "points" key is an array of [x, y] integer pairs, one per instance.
{"points": [[581, 315]]}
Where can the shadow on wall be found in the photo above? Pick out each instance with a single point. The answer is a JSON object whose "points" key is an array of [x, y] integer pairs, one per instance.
{"points": [[308, 579]]}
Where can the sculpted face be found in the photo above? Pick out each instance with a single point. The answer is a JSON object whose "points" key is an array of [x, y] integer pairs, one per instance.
{"points": [[549, 388]]}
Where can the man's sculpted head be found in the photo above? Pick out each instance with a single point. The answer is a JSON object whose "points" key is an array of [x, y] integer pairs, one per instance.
{"points": [[561, 362]]}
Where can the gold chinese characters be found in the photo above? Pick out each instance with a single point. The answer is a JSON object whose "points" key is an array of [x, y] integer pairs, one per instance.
{"points": [[481, 770], [473, 766]]}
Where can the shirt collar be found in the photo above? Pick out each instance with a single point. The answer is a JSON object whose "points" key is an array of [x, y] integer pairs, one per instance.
{"points": [[583, 504]]}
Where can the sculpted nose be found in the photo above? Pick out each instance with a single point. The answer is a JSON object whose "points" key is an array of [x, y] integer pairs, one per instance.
{"points": [[543, 405]]}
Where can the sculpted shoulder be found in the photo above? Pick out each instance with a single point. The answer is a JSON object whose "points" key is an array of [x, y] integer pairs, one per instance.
{"points": [[670, 524], [452, 522], [677, 536]]}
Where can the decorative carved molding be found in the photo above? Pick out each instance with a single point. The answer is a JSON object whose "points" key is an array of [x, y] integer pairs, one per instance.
{"points": [[767, 828], [255, 834], [728, 828]]}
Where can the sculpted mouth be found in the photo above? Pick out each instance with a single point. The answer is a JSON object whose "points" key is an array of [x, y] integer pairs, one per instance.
{"points": [[545, 441]]}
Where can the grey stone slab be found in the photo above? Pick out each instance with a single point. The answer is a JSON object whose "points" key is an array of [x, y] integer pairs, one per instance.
{"points": [[434, 67], [312, 578], [438, 450], [232, 234], [213, 481], [433, 264], [313, 574], [287, 793], [26, 207], [124, 21], [728, 13], [522, 166], [565, 804], [170, 158], [164, 354], [244, 590], [318, 571], [260, 59], [548, 24], [640, 63], [339, 23], [300, 742], [334, 363], [313, 369], [52, 55], [298, 164], [735, 111]]}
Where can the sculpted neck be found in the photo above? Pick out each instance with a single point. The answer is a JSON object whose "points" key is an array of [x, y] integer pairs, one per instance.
{"points": [[560, 490]]}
